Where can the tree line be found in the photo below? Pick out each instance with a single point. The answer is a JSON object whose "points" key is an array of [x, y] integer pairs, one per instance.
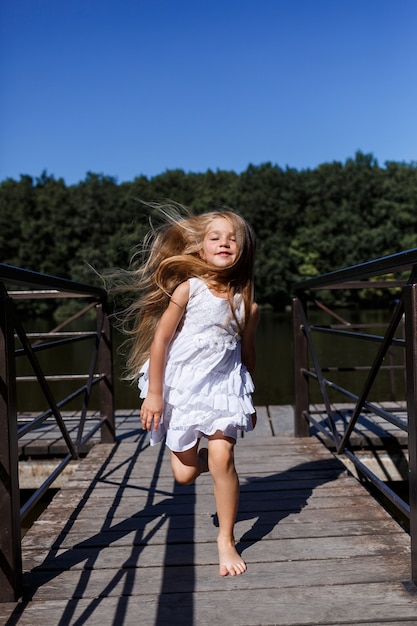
{"points": [[307, 222]]}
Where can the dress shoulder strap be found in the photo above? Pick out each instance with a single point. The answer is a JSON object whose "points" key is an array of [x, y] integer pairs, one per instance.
{"points": [[197, 285]]}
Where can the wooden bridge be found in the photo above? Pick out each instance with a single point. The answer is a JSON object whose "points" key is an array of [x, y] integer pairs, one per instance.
{"points": [[122, 543]]}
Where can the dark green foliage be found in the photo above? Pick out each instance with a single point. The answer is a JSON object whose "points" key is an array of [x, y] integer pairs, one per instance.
{"points": [[307, 222]]}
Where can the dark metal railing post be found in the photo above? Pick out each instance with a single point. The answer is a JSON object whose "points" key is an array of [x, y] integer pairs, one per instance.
{"points": [[359, 277], [301, 388], [37, 285], [106, 388], [410, 302], [10, 547]]}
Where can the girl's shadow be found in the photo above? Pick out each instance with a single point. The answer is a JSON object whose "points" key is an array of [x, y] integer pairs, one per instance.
{"points": [[270, 499]]}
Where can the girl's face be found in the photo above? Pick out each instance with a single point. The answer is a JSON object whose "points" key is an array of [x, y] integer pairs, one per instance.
{"points": [[220, 247]]}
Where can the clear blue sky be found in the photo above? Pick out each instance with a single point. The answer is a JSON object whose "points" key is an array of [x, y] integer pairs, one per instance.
{"points": [[131, 87]]}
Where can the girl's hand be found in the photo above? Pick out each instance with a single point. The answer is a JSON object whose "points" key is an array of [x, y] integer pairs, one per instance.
{"points": [[151, 411]]}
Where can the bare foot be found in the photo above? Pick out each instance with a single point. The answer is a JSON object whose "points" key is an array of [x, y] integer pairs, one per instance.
{"points": [[230, 560], [203, 460]]}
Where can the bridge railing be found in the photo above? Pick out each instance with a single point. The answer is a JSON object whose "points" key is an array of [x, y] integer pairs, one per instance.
{"points": [[17, 343], [400, 335]]}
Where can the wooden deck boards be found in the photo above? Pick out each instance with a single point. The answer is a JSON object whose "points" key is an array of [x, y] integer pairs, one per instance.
{"points": [[273, 420], [371, 430], [122, 543]]}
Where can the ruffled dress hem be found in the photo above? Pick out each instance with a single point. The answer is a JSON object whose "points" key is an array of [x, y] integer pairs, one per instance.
{"points": [[180, 440]]}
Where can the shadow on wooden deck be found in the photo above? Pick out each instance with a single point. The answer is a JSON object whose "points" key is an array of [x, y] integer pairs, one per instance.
{"points": [[122, 543]]}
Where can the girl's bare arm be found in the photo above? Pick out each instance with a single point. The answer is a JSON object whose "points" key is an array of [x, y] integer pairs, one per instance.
{"points": [[248, 339], [153, 404]]}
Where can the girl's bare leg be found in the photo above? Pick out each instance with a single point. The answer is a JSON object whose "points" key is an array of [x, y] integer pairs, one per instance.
{"points": [[226, 494], [188, 465]]}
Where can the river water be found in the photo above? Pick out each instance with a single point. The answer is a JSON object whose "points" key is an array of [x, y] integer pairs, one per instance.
{"points": [[274, 371]]}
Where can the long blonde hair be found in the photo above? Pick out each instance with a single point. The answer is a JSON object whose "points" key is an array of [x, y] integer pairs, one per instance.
{"points": [[170, 255]]}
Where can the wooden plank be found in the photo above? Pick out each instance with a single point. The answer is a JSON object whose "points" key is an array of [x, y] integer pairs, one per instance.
{"points": [[282, 418], [370, 429], [263, 425], [279, 487], [177, 517], [327, 605], [255, 551], [127, 534], [184, 579]]}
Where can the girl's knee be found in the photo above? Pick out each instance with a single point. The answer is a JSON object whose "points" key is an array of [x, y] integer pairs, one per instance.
{"points": [[184, 478], [184, 467], [221, 456]]}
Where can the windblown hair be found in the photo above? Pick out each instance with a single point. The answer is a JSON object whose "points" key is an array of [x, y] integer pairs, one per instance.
{"points": [[170, 255]]}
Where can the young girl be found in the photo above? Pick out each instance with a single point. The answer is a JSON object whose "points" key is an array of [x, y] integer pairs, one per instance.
{"points": [[199, 317]]}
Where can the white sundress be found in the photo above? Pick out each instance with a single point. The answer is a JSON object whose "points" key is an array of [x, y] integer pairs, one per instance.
{"points": [[206, 386]]}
